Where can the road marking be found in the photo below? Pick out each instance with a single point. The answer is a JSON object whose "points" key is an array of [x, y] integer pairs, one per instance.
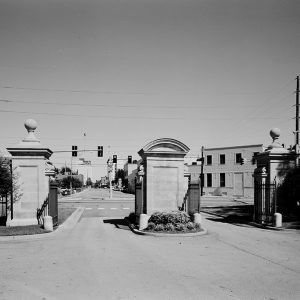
{"points": [[88, 208], [101, 208], [113, 208], [126, 208]]}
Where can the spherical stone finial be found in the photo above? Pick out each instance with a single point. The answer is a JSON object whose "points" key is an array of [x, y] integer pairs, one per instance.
{"points": [[275, 133], [30, 125]]}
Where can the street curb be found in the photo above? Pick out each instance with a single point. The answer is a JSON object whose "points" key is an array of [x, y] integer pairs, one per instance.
{"points": [[71, 221], [139, 232], [67, 225]]}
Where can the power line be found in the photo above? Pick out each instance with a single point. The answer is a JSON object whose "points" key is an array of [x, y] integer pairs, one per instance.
{"points": [[124, 117], [115, 92], [121, 106], [90, 116]]}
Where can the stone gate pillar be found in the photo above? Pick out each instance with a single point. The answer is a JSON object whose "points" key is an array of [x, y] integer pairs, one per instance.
{"points": [[163, 162], [272, 165], [28, 162]]}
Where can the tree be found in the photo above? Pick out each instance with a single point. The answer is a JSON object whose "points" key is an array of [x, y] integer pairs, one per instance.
{"points": [[288, 192], [65, 170], [89, 182], [66, 182], [120, 174], [97, 184], [8, 181], [5, 177]]}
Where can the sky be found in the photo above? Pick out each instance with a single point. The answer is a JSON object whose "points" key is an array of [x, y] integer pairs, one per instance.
{"points": [[121, 73]]}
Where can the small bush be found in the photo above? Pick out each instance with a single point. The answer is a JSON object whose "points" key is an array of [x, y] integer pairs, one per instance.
{"points": [[180, 227], [159, 227], [174, 217], [169, 227], [151, 226], [197, 226], [190, 225]]}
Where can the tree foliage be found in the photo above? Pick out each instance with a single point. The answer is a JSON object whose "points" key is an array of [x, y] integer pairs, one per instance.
{"points": [[120, 174], [8, 181], [288, 193], [66, 182], [89, 182], [5, 177]]}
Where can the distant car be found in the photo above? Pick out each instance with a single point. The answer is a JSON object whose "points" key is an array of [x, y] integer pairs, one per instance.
{"points": [[66, 192]]}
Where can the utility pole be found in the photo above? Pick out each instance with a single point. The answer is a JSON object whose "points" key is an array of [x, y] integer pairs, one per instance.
{"points": [[297, 122], [297, 112]]}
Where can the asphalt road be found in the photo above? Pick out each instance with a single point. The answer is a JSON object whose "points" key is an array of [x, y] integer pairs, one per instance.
{"points": [[98, 204], [97, 260]]}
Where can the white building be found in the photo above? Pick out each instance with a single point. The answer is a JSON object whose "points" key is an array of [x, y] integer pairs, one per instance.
{"points": [[223, 172]]}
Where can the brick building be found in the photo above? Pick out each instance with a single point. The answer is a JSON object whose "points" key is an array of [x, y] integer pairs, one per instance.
{"points": [[223, 172]]}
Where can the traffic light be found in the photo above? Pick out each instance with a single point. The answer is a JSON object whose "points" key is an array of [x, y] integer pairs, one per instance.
{"points": [[243, 160], [74, 150], [115, 158], [129, 159], [100, 151]]}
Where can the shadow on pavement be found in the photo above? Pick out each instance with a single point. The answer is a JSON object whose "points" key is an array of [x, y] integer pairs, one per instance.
{"points": [[238, 215], [243, 215], [119, 223]]}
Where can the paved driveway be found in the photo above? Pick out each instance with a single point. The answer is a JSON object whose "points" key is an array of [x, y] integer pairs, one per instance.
{"points": [[96, 260]]}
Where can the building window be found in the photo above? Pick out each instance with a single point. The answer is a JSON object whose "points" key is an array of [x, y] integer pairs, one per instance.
{"points": [[209, 159], [222, 159], [209, 179], [222, 179], [238, 158]]}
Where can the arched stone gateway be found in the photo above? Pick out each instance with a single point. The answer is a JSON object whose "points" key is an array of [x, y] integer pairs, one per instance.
{"points": [[163, 176]]}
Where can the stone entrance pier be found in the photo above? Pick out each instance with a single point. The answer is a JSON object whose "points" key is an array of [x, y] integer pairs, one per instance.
{"points": [[163, 176], [29, 160], [272, 165]]}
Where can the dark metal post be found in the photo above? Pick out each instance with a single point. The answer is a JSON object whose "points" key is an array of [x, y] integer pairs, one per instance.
{"points": [[202, 175], [11, 192]]}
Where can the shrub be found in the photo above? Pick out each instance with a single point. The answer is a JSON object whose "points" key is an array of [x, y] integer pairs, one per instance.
{"points": [[151, 226], [174, 217], [180, 227], [197, 226], [190, 225], [169, 227], [159, 227]]}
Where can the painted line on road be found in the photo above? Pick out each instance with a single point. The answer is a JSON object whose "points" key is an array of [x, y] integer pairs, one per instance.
{"points": [[101, 208], [88, 208], [126, 207], [113, 208]]}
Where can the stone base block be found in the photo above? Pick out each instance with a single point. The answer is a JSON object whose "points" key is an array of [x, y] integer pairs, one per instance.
{"points": [[48, 223], [143, 224]]}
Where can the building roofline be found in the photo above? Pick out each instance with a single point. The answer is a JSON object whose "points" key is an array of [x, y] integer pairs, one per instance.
{"points": [[234, 147]]}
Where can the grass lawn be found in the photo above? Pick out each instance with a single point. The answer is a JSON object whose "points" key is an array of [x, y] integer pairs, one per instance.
{"points": [[63, 214]]}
